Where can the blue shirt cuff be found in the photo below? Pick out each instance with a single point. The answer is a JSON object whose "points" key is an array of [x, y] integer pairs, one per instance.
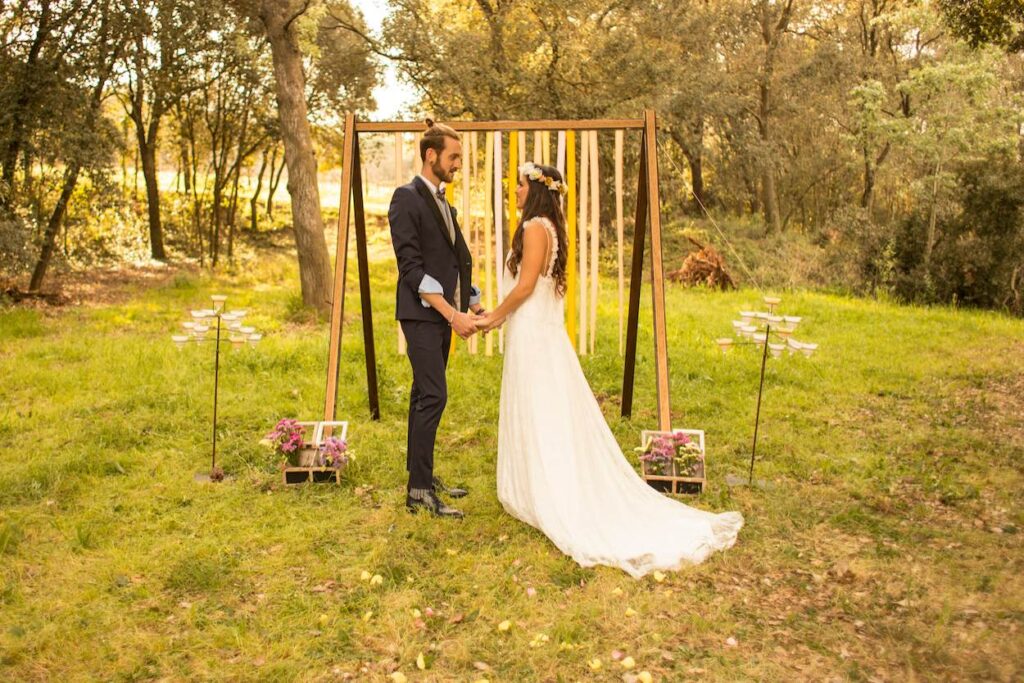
{"points": [[474, 295], [429, 285]]}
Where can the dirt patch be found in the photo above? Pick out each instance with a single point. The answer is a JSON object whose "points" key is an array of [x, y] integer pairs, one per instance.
{"points": [[96, 286]]}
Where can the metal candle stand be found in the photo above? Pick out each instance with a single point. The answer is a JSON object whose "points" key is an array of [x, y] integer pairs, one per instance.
{"points": [[196, 330], [748, 328]]}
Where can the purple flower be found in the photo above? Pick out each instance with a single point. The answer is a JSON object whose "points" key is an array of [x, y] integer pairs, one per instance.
{"points": [[333, 451]]}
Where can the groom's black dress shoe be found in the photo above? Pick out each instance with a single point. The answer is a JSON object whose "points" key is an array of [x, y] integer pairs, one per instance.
{"points": [[451, 492], [430, 502]]}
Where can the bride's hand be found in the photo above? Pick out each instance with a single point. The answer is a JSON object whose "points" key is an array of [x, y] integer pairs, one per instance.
{"points": [[488, 322]]}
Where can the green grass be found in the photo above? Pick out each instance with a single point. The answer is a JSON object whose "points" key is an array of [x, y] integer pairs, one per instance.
{"points": [[885, 545]]}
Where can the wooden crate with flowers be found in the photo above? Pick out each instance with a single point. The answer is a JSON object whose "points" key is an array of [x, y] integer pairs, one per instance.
{"points": [[319, 459], [673, 462]]}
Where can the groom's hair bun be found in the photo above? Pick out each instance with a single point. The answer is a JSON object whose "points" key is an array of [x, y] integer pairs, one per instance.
{"points": [[433, 137]]}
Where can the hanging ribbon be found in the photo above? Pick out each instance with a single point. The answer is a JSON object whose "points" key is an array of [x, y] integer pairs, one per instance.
{"points": [[499, 236], [595, 235], [467, 219], [560, 154], [584, 229], [486, 234], [570, 216], [513, 181], [619, 137]]}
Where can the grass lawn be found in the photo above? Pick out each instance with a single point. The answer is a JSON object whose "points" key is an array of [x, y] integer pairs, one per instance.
{"points": [[885, 545]]}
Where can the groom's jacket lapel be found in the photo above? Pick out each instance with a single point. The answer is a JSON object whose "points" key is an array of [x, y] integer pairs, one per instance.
{"points": [[432, 203]]}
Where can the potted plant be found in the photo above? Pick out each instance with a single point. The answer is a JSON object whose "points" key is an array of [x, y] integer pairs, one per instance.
{"points": [[333, 452], [288, 439], [673, 461]]}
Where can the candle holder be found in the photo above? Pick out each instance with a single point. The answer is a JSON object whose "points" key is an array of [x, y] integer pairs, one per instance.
{"points": [[773, 334], [195, 330]]}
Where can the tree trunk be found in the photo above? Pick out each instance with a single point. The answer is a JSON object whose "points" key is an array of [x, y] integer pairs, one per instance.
{"points": [[53, 227], [18, 112], [218, 216], [932, 219], [274, 180], [694, 153], [253, 218], [314, 262], [70, 180], [186, 164], [769, 194], [233, 210], [869, 181], [696, 162], [147, 151]]}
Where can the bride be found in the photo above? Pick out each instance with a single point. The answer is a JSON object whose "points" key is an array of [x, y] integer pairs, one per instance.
{"points": [[559, 466]]}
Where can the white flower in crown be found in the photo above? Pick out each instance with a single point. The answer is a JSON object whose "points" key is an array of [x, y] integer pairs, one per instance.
{"points": [[533, 172]]}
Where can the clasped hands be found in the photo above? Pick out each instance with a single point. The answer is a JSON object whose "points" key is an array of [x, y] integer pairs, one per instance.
{"points": [[468, 324]]}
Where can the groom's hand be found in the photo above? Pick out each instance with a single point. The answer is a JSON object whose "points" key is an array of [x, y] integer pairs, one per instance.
{"points": [[464, 325]]}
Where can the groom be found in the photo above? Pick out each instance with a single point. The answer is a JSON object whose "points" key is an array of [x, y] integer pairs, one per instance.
{"points": [[435, 290]]}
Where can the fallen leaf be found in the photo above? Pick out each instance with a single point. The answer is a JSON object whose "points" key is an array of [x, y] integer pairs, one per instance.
{"points": [[616, 591], [376, 580], [659, 577], [627, 663], [645, 677], [594, 664], [398, 677], [367, 615], [421, 662], [505, 625], [630, 612], [481, 666], [415, 613], [365, 576], [457, 618]]}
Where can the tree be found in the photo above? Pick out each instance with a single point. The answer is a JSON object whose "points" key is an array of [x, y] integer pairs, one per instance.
{"points": [[980, 22], [87, 135], [169, 40], [288, 25]]}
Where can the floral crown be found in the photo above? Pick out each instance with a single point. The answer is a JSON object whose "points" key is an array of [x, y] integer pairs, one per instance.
{"points": [[533, 172]]}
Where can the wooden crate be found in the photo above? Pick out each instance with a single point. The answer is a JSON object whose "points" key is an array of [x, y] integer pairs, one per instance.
{"points": [[295, 474], [312, 475], [673, 484]]}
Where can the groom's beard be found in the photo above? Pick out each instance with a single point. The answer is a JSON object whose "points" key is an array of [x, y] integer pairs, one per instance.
{"points": [[445, 176]]}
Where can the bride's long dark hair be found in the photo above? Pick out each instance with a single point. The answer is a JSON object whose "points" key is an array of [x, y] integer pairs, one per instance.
{"points": [[541, 201]]}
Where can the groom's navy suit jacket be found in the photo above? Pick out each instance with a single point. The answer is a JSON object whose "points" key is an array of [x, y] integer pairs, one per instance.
{"points": [[423, 247]]}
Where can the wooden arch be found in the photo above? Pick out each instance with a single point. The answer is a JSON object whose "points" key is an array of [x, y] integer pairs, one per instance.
{"points": [[648, 206]]}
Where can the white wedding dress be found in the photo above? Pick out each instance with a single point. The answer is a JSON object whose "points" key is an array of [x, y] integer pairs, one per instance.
{"points": [[561, 470]]}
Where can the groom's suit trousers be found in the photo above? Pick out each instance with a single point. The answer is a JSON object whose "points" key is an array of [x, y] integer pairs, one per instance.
{"points": [[428, 346]]}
